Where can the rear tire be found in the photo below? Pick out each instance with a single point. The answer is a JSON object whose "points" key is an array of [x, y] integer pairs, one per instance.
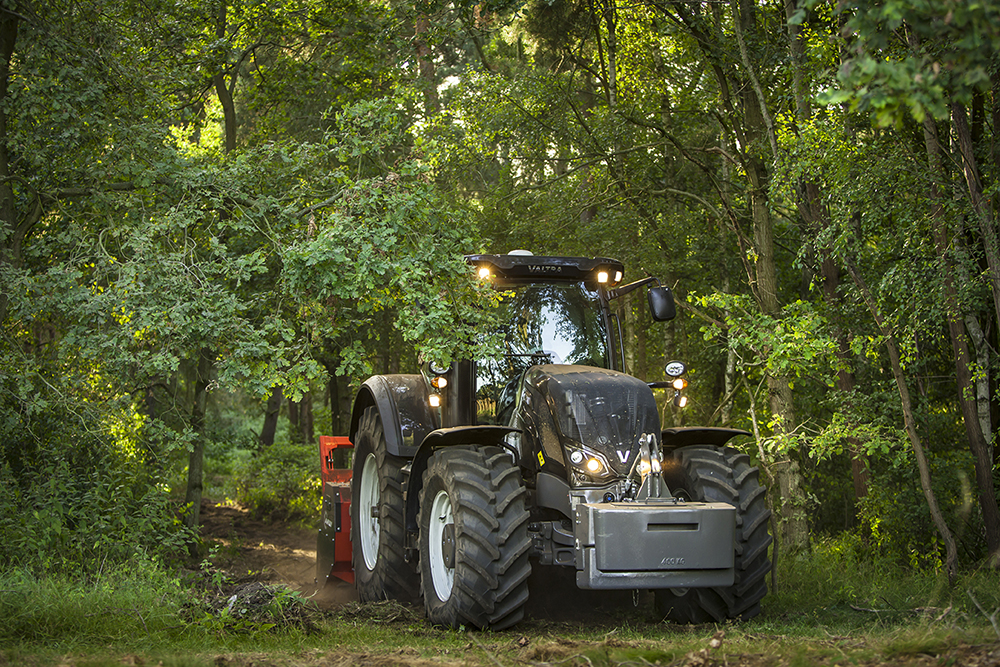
{"points": [[377, 528], [474, 540], [722, 474]]}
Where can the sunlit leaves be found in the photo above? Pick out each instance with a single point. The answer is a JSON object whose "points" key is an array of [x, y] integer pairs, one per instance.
{"points": [[911, 57], [797, 344]]}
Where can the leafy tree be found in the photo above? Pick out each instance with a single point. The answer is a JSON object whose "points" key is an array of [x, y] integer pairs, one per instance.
{"points": [[931, 62]]}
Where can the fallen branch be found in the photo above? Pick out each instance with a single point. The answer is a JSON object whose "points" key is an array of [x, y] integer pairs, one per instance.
{"points": [[992, 617], [915, 610]]}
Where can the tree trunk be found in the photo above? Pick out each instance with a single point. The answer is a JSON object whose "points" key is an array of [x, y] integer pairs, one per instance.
{"points": [[978, 443], [951, 553], [294, 431], [425, 64], [192, 498], [792, 504], [300, 416], [222, 90], [272, 410], [982, 348], [11, 235], [984, 212]]}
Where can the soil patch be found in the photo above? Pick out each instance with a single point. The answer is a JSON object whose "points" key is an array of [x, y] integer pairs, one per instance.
{"points": [[269, 551]]}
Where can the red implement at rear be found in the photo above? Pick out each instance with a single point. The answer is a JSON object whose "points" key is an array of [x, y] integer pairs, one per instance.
{"points": [[333, 550]]}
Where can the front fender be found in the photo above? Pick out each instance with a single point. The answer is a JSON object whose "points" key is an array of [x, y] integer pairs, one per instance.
{"points": [[698, 435], [455, 436], [402, 404]]}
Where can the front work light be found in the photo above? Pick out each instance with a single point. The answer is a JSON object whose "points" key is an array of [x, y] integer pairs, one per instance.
{"points": [[602, 277], [484, 272], [434, 400]]}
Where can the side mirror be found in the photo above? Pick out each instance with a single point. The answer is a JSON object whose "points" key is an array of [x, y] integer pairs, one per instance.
{"points": [[661, 304]]}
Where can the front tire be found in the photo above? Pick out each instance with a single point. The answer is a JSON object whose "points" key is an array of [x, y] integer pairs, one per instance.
{"points": [[474, 540], [377, 528], [705, 473]]}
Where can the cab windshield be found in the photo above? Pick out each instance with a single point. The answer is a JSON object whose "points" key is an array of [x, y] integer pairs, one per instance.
{"points": [[546, 323]]}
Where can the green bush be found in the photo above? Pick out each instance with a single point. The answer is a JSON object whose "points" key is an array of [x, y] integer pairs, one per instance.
{"points": [[843, 575], [60, 518], [75, 496], [898, 523], [281, 482]]}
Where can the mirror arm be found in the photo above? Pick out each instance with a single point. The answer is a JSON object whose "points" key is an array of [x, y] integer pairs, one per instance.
{"points": [[625, 289]]}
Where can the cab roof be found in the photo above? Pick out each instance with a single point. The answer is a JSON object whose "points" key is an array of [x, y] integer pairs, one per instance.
{"points": [[545, 268]]}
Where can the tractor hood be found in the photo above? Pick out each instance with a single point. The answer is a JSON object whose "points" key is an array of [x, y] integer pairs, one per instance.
{"points": [[593, 410]]}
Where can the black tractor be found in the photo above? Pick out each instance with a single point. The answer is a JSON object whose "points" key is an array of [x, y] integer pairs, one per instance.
{"points": [[467, 476]]}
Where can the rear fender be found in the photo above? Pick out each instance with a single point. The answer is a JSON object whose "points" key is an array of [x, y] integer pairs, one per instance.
{"points": [[455, 436], [402, 404]]}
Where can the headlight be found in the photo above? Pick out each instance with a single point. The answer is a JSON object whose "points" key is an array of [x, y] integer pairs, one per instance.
{"points": [[587, 465]]}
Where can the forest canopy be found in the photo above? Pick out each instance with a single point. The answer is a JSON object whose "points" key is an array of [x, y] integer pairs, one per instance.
{"points": [[214, 213]]}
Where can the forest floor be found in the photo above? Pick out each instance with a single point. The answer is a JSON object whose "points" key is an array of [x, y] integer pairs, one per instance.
{"points": [[563, 626]]}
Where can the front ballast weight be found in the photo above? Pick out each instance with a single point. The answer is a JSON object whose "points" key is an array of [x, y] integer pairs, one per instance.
{"points": [[467, 476]]}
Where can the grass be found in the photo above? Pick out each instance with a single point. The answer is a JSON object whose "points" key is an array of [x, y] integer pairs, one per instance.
{"points": [[830, 608]]}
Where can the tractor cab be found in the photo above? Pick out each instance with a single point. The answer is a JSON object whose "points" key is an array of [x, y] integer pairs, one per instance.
{"points": [[553, 311]]}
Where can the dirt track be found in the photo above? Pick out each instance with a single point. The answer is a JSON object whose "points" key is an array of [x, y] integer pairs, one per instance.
{"points": [[271, 551]]}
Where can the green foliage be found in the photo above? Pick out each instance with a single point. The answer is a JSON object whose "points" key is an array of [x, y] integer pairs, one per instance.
{"points": [[913, 57], [796, 344], [74, 499], [280, 482], [874, 437]]}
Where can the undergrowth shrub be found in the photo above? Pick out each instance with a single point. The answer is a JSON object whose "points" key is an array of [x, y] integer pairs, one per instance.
{"points": [[844, 572], [897, 521], [280, 482], [73, 499], [841, 570]]}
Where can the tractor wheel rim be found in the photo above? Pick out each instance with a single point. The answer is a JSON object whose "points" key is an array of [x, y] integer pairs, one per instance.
{"points": [[442, 576], [367, 506]]}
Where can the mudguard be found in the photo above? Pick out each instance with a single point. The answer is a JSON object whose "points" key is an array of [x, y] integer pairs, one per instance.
{"points": [[448, 437], [402, 404], [698, 435]]}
